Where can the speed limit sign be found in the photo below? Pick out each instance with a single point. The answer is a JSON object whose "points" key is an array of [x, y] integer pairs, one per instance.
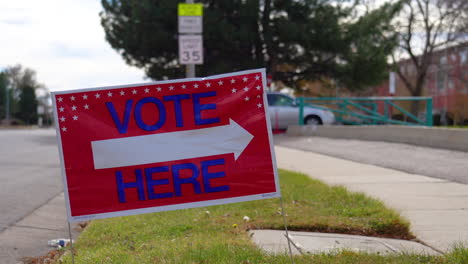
{"points": [[190, 49]]}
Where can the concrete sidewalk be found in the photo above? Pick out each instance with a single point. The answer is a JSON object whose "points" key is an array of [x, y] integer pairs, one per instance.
{"points": [[437, 209], [28, 237], [275, 242]]}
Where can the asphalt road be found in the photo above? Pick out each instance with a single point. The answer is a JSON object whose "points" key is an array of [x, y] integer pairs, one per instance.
{"points": [[29, 172], [437, 163]]}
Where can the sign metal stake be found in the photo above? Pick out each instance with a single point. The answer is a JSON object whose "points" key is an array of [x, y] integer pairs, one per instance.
{"points": [[286, 229], [71, 243]]}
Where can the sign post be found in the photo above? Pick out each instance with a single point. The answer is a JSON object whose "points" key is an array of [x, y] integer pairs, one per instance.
{"points": [[190, 19], [40, 113], [7, 105], [166, 145]]}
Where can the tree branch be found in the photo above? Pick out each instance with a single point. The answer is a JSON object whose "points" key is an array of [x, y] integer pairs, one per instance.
{"points": [[405, 80], [408, 46]]}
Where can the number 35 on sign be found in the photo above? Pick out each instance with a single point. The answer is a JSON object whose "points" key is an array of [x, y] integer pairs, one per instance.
{"points": [[190, 49]]}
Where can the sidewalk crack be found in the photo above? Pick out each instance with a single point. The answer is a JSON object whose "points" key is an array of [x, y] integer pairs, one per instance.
{"points": [[36, 227]]}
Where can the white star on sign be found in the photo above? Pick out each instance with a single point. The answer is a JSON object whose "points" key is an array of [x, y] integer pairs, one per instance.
{"points": [[73, 108], [259, 105], [245, 79], [60, 99], [171, 87], [195, 86], [146, 90], [246, 89], [134, 91], [208, 84], [86, 106], [62, 119], [159, 89], [75, 117], [246, 99], [257, 77], [109, 94], [220, 82], [234, 90], [183, 86], [72, 98], [258, 96], [97, 95], [85, 97], [258, 87], [233, 81], [64, 129], [61, 109], [122, 93]]}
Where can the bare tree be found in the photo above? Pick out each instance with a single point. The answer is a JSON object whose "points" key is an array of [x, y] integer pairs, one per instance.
{"points": [[426, 26]]}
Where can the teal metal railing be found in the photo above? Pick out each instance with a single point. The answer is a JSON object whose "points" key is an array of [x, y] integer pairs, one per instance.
{"points": [[369, 110]]}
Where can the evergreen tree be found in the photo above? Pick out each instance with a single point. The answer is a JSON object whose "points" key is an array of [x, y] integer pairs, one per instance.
{"points": [[23, 84], [28, 105], [294, 40]]}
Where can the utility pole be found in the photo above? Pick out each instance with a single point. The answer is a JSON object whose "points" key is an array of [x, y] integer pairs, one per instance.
{"points": [[7, 105]]}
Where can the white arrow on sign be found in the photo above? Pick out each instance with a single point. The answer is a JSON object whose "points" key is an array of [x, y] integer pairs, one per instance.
{"points": [[129, 151]]}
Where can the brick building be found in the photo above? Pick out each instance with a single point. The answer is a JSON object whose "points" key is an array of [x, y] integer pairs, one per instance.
{"points": [[446, 82]]}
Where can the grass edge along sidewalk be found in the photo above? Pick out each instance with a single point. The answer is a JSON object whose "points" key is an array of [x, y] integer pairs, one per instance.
{"points": [[218, 234]]}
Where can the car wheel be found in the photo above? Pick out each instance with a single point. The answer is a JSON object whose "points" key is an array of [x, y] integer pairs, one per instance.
{"points": [[313, 120]]}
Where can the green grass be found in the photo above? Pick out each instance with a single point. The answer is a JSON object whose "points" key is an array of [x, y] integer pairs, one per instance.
{"points": [[455, 126], [218, 234]]}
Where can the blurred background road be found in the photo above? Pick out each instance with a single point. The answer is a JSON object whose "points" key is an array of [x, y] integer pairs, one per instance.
{"points": [[29, 172]]}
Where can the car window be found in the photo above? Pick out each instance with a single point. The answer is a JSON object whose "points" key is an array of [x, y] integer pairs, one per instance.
{"points": [[271, 98], [280, 100]]}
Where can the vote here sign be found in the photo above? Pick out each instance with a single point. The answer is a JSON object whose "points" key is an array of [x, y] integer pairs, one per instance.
{"points": [[165, 145]]}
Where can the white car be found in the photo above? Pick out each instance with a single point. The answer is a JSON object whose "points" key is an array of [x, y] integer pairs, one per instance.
{"points": [[284, 111]]}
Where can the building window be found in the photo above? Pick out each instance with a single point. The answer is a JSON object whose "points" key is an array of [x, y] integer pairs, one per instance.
{"points": [[441, 76], [443, 60], [451, 85], [463, 56], [453, 57]]}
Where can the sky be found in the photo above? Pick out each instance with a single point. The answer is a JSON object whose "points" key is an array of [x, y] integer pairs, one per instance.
{"points": [[63, 41]]}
